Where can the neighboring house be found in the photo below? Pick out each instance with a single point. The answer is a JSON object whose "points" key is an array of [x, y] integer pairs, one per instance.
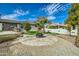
{"points": [[57, 28], [33, 28], [9, 25], [61, 29]]}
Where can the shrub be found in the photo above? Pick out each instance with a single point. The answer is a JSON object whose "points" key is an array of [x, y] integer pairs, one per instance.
{"points": [[27, 26], [39, 34]]}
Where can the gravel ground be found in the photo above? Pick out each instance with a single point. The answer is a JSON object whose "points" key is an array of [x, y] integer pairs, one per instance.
{"points": [[61, 48], [68, 38]]}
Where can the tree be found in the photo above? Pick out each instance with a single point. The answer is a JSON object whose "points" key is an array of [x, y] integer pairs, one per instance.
{"points": [[73, 20], [41, 23], [27, 26]]}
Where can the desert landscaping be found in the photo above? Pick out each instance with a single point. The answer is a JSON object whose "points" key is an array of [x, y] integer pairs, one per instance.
{"points": [[29, 45], [39, 29]]}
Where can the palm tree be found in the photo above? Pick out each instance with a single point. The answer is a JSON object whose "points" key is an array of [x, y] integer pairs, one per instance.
{"points": [[73, 19]]}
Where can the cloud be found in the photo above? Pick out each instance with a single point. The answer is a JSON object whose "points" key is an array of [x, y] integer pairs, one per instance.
{"points": [[32, 19], [51, 8], [15, 14], [51, 17], [9, 16], [54, 8], [21, 12]]}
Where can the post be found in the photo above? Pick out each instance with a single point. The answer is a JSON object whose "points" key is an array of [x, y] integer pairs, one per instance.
{"points": [[0, 26]]}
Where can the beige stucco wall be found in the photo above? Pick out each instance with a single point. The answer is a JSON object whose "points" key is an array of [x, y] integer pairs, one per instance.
{"points": [[74, 32], [0, 26]]}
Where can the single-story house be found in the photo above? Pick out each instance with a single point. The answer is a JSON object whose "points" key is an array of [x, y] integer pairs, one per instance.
{"points": [[56, 26], [8, 25], [61, 29]]}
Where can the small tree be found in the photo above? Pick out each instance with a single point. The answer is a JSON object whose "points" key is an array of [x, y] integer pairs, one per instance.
{"points": [[40, 24], [27, 26], [42, 21]]}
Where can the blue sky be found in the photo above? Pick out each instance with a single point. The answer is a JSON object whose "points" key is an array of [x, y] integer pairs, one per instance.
{"points": [[56, 13]]}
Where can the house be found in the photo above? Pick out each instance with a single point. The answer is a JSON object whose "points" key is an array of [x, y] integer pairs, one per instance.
{"points": [[57, 28], [61, 29], [9, 25], [33, 27]]}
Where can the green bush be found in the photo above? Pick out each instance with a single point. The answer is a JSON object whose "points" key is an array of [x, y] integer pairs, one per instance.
{"points": [[31, 32], [39, 34], [27, 26]]}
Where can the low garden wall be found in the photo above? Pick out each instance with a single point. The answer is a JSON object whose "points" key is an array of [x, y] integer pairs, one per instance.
{"points": [[59, 31], [8, 35]]}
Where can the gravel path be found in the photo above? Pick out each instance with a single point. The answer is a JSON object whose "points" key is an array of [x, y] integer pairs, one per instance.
{"points": [[60, 48], [68, 38]]}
